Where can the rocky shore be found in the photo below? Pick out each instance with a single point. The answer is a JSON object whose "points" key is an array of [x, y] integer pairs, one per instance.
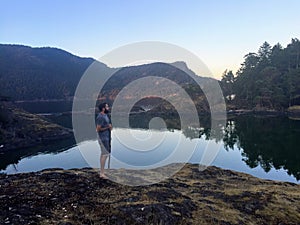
{"points": [[212, 196], [21, 129]]}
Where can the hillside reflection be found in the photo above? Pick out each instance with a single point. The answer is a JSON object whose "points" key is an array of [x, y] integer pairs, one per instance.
{"points": [[265, 142]]}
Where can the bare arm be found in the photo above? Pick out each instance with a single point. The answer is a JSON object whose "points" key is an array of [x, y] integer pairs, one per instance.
{"points": [[99, 128]]}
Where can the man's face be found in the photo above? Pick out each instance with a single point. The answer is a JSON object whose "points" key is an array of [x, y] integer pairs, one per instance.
{"points": [[106, 110]]}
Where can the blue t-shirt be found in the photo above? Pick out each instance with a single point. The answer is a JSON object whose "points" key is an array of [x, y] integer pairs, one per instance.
{"points": [[103, 121]]}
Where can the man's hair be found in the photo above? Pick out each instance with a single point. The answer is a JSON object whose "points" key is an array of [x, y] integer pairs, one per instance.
{"points": [[102, 105]]}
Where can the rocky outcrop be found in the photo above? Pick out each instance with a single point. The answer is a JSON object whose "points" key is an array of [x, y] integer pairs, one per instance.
{"points": [[212, 196], [20, 129]]}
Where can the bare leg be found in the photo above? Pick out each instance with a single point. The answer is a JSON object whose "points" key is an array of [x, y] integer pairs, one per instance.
{"points": [[102, 165]]}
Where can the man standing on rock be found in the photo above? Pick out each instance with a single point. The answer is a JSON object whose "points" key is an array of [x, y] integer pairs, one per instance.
{"points": [[104, 128]]}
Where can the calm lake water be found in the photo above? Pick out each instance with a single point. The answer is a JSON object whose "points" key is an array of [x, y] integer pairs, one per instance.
{"points": [[263, 147]]}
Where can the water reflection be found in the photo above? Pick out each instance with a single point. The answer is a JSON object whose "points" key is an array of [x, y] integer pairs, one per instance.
{"points": [[14, 157], [266, 142], [263, 142]]}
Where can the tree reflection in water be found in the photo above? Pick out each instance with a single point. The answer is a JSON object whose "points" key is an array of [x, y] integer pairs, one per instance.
{"points": [[266, 142]]}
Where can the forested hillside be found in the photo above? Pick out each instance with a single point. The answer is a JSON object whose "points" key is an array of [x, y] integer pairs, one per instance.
{"points": [[183, 77], [48, 73], [39, 73], [268, 79]]}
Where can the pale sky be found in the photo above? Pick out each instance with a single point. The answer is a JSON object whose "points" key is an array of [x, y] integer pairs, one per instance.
{"points": [[220, 32]]}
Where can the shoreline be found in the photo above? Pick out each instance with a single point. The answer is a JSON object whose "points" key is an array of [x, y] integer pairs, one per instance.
{"points": [[21, 129], [295, 181], [271, 112], [229, 113], [42, 100], [60, 133]]}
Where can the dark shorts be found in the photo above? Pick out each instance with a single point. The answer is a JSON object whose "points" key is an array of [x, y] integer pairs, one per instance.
{"points": [[105, 147]]}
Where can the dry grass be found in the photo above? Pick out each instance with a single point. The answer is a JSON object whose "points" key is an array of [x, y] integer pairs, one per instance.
{"points": [[212, 196]]}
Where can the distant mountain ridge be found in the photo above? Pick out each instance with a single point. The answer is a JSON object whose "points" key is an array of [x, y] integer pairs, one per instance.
{"points": [[39, 73], [177, 72], [49, 73], [28, 73]]}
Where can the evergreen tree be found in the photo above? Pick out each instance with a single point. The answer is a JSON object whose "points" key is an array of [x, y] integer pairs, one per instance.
{"points": [[227, 84], [269, 78]]}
